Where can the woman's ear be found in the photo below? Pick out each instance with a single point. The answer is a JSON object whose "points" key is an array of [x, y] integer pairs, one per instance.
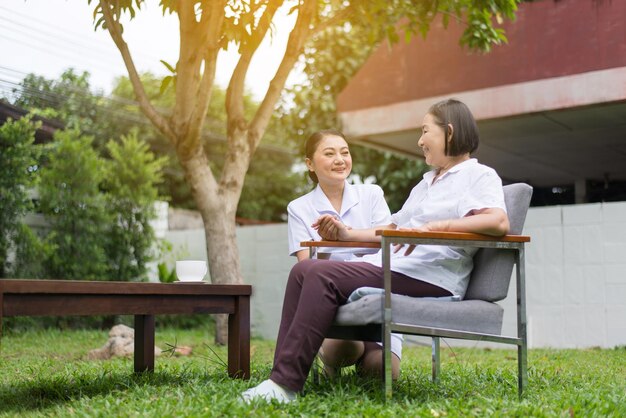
{"points": [[449, 133], [309, 164]]}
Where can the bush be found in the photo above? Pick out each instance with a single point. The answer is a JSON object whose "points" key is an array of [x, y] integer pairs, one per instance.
{"points": [[31, 253], [132, 176], [18, 166], [73, 205]]}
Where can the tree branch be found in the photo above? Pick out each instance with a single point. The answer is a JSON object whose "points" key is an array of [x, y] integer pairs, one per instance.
{"points": [[235, 91], [211, 26], [146, 107], [299, 35]]}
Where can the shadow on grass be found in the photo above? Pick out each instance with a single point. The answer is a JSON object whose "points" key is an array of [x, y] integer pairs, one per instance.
{"points": [[37, 394]]}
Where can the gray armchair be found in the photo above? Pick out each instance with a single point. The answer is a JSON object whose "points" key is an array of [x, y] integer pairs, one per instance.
{"points": [[374, 317]]}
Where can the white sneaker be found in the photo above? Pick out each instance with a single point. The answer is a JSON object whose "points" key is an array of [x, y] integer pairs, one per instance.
{"points": [[269, 390]]}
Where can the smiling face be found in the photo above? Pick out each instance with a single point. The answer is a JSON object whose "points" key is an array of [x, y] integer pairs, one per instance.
{"points": [[331, 160], [432, 142]]}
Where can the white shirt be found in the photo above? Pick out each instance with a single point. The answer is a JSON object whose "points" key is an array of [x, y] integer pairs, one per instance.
{"points": [[363, 206], [466, 187]]}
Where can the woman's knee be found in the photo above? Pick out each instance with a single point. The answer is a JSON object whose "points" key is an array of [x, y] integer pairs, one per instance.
{"points": [[341, 353], [302, 266], [300, 270]]}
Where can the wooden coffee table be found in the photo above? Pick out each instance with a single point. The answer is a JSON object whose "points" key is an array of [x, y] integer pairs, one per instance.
{"points": [[144, 301]]}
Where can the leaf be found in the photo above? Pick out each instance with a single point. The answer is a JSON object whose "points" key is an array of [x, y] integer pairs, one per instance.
{"points": [[165, 83], [168, 66]]}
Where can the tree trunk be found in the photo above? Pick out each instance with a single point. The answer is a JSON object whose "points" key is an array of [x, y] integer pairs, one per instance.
{"points": [[217, 205], [223, 254]]}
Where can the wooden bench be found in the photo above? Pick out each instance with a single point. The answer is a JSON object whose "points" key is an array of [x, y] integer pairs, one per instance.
{"points": [[144, 301]]}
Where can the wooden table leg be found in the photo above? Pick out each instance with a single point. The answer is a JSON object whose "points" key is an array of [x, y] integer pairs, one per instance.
{"points": [[239, 339], [144, 343], [1, 311]]}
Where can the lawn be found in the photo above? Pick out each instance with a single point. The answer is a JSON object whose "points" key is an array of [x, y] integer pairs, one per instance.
{"points": [[45, 374]]}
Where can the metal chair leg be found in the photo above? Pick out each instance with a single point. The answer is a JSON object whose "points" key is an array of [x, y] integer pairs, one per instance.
{"points": [[387, 364], [387, 372], [435, 359], [522, 366]]}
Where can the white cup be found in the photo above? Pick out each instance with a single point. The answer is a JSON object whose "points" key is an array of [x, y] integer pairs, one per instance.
{"points": [[191, 270]]}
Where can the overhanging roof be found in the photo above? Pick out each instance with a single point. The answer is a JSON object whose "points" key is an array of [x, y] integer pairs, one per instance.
{"points": [[544, 148]]}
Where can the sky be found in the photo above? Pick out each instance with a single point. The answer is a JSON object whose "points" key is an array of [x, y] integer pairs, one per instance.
{"points": [[46, 37]]}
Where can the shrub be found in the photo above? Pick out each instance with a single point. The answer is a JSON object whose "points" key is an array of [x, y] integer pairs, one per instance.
{"points": [[132, 176], [73, 205], [18, 167]]}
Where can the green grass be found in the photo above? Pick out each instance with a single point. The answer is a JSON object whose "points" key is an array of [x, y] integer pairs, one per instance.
{"points": [[45, 374]]}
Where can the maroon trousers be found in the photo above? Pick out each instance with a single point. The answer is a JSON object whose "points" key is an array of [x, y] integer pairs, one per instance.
{"points": [[315, 290]]}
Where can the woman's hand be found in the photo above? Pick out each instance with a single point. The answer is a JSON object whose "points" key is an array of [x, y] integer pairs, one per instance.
{"points": [[331, 228], [441, 226]]}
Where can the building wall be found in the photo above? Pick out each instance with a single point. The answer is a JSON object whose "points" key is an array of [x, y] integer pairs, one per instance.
{"points": [[547, 39], [576, 275]]}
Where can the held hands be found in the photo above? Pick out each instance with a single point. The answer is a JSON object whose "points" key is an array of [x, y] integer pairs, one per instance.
{"points": [[331, 228], [443, 226]]}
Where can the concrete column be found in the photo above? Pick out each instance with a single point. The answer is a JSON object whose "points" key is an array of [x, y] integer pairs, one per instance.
{"points": [[580, 191]]}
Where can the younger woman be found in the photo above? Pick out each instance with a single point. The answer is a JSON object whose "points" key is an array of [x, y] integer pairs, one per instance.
{"points": [[329, 163]]}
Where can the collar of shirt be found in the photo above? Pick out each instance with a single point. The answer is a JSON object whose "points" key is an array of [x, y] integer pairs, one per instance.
{"points": [[323, 205], [432, 173]]}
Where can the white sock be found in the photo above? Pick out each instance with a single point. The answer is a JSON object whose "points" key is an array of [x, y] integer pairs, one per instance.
{"points": [[268, 390]]}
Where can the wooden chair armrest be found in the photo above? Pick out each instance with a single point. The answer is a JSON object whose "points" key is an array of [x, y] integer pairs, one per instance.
{"points": [[340, 244], [457, 236], [413, 237]]}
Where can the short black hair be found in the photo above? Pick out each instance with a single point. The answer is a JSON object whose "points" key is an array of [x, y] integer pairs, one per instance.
{"points": [[465, 131], [311, 144]]}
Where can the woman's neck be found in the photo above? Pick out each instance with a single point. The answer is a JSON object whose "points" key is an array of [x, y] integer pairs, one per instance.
{"points": [[334, 193], [452, 161]]}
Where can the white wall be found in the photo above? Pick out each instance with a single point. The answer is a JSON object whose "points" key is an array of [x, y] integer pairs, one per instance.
{"points": [[575, 264], [576, 275]]}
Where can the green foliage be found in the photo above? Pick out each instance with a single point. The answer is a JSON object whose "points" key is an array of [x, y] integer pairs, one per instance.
{"points": [[31, 253], [18, 167], [166, 274], [132, 175], [270, 183], [67, 99], [72, 203]]}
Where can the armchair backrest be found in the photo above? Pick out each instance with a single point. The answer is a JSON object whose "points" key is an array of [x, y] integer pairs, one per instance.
{"points": [[492, 267]]}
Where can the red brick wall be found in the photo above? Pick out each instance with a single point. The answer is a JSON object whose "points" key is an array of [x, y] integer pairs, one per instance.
{"points": [[548, 39]]}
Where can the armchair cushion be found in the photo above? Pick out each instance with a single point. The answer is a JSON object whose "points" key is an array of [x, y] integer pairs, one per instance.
{"points": [[466, 315]]}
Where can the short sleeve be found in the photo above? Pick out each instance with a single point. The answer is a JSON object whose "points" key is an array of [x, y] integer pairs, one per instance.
{"points": [[486, 192], [297, 231], [380, 210], [403, 216]]}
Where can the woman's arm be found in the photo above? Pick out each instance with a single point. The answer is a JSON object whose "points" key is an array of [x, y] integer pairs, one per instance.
{"points": [[490, 221], [304, 255]]}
